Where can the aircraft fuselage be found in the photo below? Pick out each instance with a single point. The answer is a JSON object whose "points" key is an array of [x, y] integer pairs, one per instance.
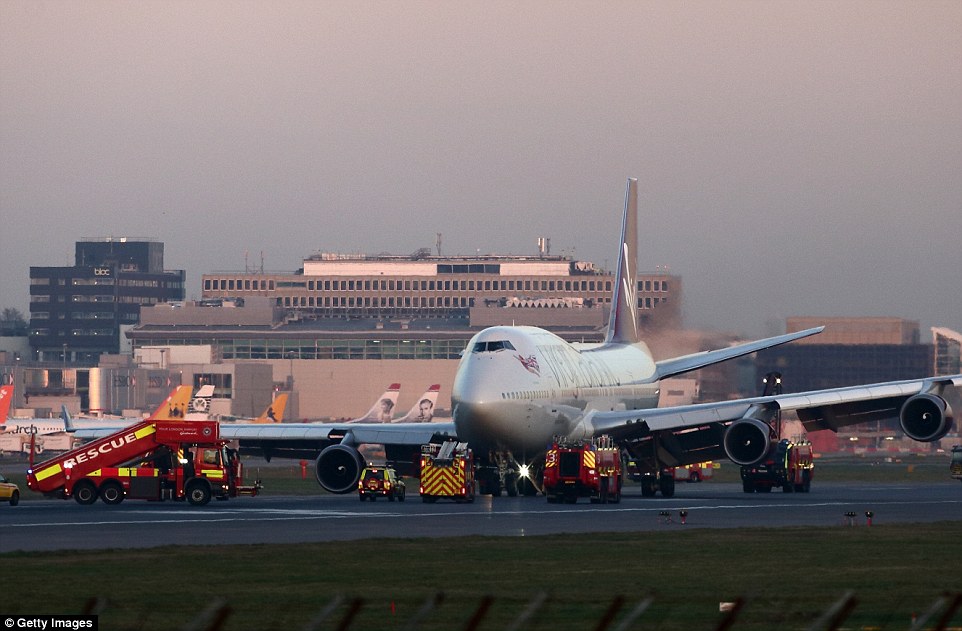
{"points": [[517, 387]]}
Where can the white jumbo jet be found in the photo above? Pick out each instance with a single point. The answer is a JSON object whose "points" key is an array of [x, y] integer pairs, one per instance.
{"points": [[517, 387]]}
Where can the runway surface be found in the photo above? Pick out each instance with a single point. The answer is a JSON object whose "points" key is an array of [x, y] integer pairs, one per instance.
{"points": [[61, 525]]}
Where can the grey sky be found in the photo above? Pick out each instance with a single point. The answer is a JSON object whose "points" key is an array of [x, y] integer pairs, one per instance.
{"points": [[795, 158]]}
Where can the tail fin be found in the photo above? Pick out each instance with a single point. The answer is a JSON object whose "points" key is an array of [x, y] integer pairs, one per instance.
{"points": [[68, 425], [199, 408], [423, 409], [275, 411], [623, 322], [383, 409], [174, 407], [6, 398]]}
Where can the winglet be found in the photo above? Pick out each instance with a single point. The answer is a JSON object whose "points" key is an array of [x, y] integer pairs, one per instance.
{"points": [[623, 322]]}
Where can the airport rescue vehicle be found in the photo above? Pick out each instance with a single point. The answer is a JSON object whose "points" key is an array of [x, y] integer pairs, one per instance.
{"points": [[790, 465], [151, 460], [583, 468], [447, 471], [955, 467], [695, 472]]}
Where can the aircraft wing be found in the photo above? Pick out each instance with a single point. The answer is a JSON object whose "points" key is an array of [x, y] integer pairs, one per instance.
{"points": [[679, 365], [280, 438], [695, 433], [322, 434]]}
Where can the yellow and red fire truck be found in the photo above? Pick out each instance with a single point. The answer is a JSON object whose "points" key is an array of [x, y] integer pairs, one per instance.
{"points": [[791, 466], [955, 466], [151, 460], [447, 471], [583, 468]]}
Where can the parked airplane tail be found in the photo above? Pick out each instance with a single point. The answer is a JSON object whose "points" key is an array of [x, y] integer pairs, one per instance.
{"points": [[275, 411], [174, 407], [423, 409], [199, 407], [383, 409], [6, 398]]}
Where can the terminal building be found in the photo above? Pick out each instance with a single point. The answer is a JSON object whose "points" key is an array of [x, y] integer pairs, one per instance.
{"points": [[850, 351], [426, 286], [344, 326]]}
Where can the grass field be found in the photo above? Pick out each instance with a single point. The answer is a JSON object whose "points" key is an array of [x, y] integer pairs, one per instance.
{"points": [[788, 577]]}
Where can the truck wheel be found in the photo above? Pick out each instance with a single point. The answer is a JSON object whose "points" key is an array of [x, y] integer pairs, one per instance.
{"points": [[15, 498], [198, 493], [111, 493], [85, 493]]}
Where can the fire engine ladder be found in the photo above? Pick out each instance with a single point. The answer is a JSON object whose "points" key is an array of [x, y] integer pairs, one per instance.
{"points": [[447, 450]]}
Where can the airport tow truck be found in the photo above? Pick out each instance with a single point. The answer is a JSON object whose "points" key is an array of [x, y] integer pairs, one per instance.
{"points": [[151, 460], [955, 466], [791, 466], [447, 471], [583, 468]]}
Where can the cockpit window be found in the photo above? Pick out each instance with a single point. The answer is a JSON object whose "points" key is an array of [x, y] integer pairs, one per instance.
{"points": [[500, 345]]}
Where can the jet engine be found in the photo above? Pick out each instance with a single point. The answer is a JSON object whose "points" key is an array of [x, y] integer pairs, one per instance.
{"points": [[747, 441], [338, 468], [926, 417]]}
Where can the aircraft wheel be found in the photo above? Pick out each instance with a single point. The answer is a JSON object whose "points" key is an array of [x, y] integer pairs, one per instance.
{"points": [[85, 493], [111, 493], [667, 486]]}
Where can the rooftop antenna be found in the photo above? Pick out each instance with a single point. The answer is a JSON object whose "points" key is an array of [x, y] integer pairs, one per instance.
{"points": [[439, 243]]}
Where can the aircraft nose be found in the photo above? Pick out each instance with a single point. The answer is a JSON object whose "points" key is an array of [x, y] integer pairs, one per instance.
{"points": [[473, 398]]}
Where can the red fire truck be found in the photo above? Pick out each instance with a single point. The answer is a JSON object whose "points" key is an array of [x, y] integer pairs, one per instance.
{"points": [[447, 470], [583, 468], [151, 460], [790, 466]]}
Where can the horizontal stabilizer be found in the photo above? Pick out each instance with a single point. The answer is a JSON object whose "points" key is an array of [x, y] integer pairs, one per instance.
{"points": [[688, 363]]}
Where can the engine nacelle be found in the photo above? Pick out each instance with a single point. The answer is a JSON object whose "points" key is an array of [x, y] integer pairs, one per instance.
{"points": [[926, 417], [338, 468], [747, 441]]}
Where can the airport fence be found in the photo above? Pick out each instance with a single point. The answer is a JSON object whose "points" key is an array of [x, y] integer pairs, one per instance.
{"points": [[341, 612]]}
